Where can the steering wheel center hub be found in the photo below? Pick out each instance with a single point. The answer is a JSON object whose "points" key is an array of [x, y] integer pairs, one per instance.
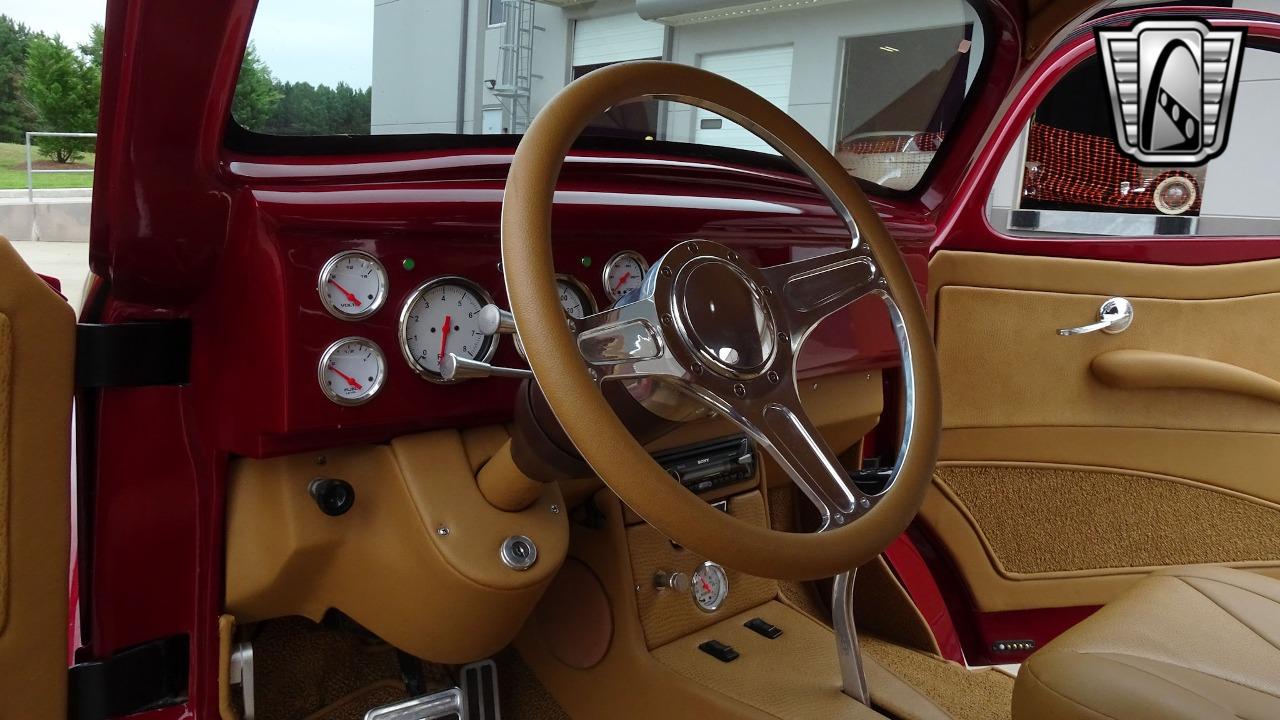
{"points": [[724, 318]]}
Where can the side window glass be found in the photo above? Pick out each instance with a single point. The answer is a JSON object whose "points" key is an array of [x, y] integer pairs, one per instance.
{"points": [[1065, 174]]}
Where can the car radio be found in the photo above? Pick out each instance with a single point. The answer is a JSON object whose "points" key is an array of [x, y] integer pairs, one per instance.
{"points": [[712, 465]]}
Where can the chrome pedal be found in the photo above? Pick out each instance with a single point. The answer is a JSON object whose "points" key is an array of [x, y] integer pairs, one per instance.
{"points": [[477, 699], [480, 691]]}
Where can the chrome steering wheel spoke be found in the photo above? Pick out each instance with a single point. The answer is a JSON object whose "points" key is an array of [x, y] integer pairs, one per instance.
{"points": [[813, 288]]}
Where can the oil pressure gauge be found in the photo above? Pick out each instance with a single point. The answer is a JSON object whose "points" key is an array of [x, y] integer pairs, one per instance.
{"points": [[622, 273], [709, 586], [352, 285], [352, 371]]}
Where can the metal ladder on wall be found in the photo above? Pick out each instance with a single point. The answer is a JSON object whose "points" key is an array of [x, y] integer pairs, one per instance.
{"points": [[515, 63]]}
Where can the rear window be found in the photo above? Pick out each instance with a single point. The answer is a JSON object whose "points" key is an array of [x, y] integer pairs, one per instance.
{"points": [[880, 82]]}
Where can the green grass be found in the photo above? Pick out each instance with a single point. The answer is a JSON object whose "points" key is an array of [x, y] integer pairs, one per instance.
{"points": [[13, 170]]}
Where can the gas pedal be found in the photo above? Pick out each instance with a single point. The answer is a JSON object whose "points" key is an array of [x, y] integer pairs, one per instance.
{"points": [[477, 699]]}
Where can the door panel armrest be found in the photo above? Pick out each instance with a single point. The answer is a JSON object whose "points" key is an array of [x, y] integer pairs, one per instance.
{"points": [[1150, 370]]}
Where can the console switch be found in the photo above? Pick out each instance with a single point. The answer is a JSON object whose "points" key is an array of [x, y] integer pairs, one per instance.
{"points": [[719, 651], [760, 627]]}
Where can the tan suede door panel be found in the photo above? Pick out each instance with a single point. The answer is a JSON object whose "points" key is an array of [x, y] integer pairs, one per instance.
{"points": [[37, 336], [1056, 489], [1004, 365]]}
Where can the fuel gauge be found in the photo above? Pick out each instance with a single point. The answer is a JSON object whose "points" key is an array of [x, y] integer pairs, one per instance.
{"points": [[352, 371], [622, 273]]}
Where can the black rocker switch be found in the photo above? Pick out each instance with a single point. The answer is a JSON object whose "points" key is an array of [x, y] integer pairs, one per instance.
{"points": [[719, 651], [760, 627]]}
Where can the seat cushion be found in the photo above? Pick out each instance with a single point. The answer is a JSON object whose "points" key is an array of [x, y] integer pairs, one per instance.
{"points": [[1192, 642]]}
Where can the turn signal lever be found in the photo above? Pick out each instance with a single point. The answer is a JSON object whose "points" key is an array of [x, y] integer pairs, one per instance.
{"points": [[459, 368], [494, 320]]}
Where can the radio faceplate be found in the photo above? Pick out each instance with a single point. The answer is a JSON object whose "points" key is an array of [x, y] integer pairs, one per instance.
{"points": [[711, 465]]}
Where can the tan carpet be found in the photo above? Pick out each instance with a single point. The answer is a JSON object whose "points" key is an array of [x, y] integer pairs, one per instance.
{"points": [[963, 693]]}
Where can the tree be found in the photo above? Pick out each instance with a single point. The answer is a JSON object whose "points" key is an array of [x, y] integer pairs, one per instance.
{"points": [[16, 114], [257, 92], [64, 89], [93, 49]]}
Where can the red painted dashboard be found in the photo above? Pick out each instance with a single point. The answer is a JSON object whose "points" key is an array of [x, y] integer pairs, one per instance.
{"points": [[265, 327]]}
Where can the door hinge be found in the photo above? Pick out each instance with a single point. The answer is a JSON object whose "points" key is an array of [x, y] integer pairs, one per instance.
{"points": [[133, 354], [142, 677]]}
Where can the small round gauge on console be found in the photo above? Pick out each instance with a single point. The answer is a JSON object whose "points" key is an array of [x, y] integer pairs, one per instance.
{"points": [[441, 317], [575, 298], [622, 273], [352, 285], [352, 371], [709, 586]]}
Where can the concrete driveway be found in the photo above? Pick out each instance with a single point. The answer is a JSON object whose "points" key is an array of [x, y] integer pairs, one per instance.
{"points": [[67, 261]]}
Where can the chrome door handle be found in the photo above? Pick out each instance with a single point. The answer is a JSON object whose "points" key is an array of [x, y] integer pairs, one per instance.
{"points": [[1114, 316]]}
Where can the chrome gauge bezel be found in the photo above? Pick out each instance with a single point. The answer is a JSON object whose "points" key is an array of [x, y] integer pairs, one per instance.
{"points": [[611, 262], [324, 364], [724, 595], [491, 343], [374, 306], [591, 306]]}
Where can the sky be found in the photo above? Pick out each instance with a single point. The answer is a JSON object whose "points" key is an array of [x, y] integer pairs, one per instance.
{"points": [[316, 41]]}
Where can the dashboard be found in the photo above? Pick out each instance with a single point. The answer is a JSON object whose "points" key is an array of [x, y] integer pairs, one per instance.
{"points": [[363, 289]]}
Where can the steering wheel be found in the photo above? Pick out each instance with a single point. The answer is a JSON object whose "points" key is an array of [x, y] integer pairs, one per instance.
{"points": [[716, 328]]}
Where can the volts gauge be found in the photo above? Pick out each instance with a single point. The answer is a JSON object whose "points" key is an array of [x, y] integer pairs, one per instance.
{"points": [[622, 273], [575, 298], [352, 371], [352, 285], [441, 317], [709, 586]]}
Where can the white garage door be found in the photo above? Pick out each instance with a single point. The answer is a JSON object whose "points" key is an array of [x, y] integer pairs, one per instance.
{"points": [[616, 38], [767, 71]]}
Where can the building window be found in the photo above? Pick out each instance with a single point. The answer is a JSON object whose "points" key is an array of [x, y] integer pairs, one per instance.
{"points": [[900, 94], [497, 12]]}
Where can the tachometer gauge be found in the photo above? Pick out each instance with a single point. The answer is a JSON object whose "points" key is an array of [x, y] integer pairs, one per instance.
{"points": [[709, 586], [441, 317], [575, 298], [352, 285], [352, 371], [622, 273]]}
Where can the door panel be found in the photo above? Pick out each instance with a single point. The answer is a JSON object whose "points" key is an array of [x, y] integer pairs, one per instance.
{"points": [[37, 336], [1055, 489]]}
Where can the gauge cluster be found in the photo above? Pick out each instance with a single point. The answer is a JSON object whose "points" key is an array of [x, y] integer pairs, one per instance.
{"points": [[433, 318]]}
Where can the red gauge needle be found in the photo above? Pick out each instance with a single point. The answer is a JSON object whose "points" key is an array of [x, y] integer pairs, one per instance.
{"points": [[625, 277], [350, 297], [705, 585], [350, 380], [444, 335]]}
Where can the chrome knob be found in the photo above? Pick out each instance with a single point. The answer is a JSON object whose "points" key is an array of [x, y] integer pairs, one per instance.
{"points": [[494, 320], [1115, 316], [677, 581]]}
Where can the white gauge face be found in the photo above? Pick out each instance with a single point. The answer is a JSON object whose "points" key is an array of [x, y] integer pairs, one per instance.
{"points": [[624, 272], [352, 371], [440, 318], [352, 285], [574, 297], [710, 586]]}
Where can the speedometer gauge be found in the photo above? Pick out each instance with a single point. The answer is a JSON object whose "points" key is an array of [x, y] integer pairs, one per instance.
{"points": [[352, 371], [575, 298], [352, 285], [623, 272], [442, 317], [709, 586]]}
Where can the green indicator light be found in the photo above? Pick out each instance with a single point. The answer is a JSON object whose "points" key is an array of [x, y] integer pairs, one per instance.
{"points": [[586, 261], [408, 263]]}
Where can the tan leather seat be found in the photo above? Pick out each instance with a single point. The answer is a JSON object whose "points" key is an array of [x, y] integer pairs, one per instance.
{"points": [[1197, 642]]}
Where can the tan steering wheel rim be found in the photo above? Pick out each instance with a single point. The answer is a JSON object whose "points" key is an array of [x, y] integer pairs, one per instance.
{"points": [[574, 395]]}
